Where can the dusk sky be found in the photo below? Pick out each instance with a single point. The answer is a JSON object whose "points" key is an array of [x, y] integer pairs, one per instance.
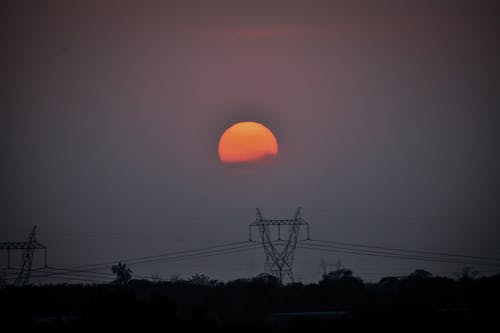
{"points": [[385, 113]]}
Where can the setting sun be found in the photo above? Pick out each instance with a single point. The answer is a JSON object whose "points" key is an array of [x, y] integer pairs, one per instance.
{"points": [[247, 142]]}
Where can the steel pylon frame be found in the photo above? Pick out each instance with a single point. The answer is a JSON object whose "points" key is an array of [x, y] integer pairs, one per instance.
{"points": [[279, 253], [28, 249]]}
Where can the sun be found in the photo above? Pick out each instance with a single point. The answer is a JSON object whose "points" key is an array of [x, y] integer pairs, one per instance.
{"points": [[247, 142]]}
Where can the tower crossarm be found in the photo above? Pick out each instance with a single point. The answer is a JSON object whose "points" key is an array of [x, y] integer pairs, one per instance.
{"points": [[279, 222], [20, 245]]}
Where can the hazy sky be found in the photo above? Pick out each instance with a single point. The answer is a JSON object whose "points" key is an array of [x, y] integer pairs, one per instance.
{"points": [[385, 113]]}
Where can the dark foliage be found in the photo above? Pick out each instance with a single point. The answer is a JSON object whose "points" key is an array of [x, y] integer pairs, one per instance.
{"points": [[123, 274], [340, 300]]}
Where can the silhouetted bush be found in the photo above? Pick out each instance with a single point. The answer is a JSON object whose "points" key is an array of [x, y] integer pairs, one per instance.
{"points": [[249, 303]]}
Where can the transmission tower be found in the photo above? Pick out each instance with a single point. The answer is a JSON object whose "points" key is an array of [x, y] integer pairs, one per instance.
{"points": [[28, 247], [279, 251]]}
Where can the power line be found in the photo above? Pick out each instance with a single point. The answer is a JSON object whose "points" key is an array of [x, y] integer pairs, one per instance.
{"points": [[57, 273], [203, 254], [63, 271], [82, 279], [409, 251], [70, 276], [395, 253], [128, 260], [390, 255], [279, 261]]}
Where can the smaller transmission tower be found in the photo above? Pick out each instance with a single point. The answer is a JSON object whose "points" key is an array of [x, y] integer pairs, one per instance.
{"points": [[279, 251], [28, 254]]}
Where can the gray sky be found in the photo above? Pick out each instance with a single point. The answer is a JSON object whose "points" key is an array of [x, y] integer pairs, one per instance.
{"points": [[385, 113]]}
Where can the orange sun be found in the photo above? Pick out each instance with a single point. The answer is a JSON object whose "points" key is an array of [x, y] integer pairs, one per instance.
{"points": [[247, 142]]}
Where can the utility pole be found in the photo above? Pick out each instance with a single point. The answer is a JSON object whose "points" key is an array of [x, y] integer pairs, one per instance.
{"points": [[279, 251], [28, 247]]}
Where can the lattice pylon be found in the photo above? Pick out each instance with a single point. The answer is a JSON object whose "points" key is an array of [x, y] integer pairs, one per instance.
{"points": [[279, 253], [28, 254]]}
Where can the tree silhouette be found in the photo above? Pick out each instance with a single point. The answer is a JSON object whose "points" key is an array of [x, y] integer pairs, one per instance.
{"points": [[342, 302], [338, 274], [420, 274], [202, 280], [467, 274], [123, 274], [267, 279]]}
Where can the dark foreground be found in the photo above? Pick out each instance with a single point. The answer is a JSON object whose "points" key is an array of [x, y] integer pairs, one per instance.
{"points": [[336, 304]]}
